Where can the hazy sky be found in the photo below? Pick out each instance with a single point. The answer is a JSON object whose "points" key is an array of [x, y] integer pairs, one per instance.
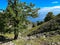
{"points": [[45, 5]]}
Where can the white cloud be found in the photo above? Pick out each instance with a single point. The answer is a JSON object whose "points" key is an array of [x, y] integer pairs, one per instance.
{"points": [[55, 2], [48, 9], [43, 11]]}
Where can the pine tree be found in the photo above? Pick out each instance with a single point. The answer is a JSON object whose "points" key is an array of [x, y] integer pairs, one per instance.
{"points": [[49, 16], [17, 13], [58, 15]]}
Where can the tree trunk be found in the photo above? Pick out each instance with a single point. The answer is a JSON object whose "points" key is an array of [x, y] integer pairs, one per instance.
{"points": [[15, 36]]}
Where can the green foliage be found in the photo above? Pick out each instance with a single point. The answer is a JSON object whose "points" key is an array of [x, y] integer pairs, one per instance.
{"points": [[52, 25], [15, 17], [39, 22], [58, 15], [49, 16]]}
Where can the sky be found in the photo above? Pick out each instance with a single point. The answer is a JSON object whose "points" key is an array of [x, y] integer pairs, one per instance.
{"points": [[45, 5]]}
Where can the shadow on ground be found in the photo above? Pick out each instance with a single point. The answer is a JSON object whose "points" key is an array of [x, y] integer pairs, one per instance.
{"points": [[4, 39]]}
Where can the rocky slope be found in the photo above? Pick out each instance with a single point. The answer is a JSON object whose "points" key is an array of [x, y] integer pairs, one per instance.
{"points": [[50, 26]]}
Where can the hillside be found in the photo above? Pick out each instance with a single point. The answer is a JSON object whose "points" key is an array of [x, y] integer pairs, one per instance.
{"points": [[52, 25]]}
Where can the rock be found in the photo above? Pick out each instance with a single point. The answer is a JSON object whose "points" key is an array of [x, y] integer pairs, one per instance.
{"points": [[58, 43], [28, 44], [53, 43], [44, 36], [8, 43], [32, 37]]}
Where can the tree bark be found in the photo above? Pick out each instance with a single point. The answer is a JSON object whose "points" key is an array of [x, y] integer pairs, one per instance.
{"points": [[15, 36]]}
